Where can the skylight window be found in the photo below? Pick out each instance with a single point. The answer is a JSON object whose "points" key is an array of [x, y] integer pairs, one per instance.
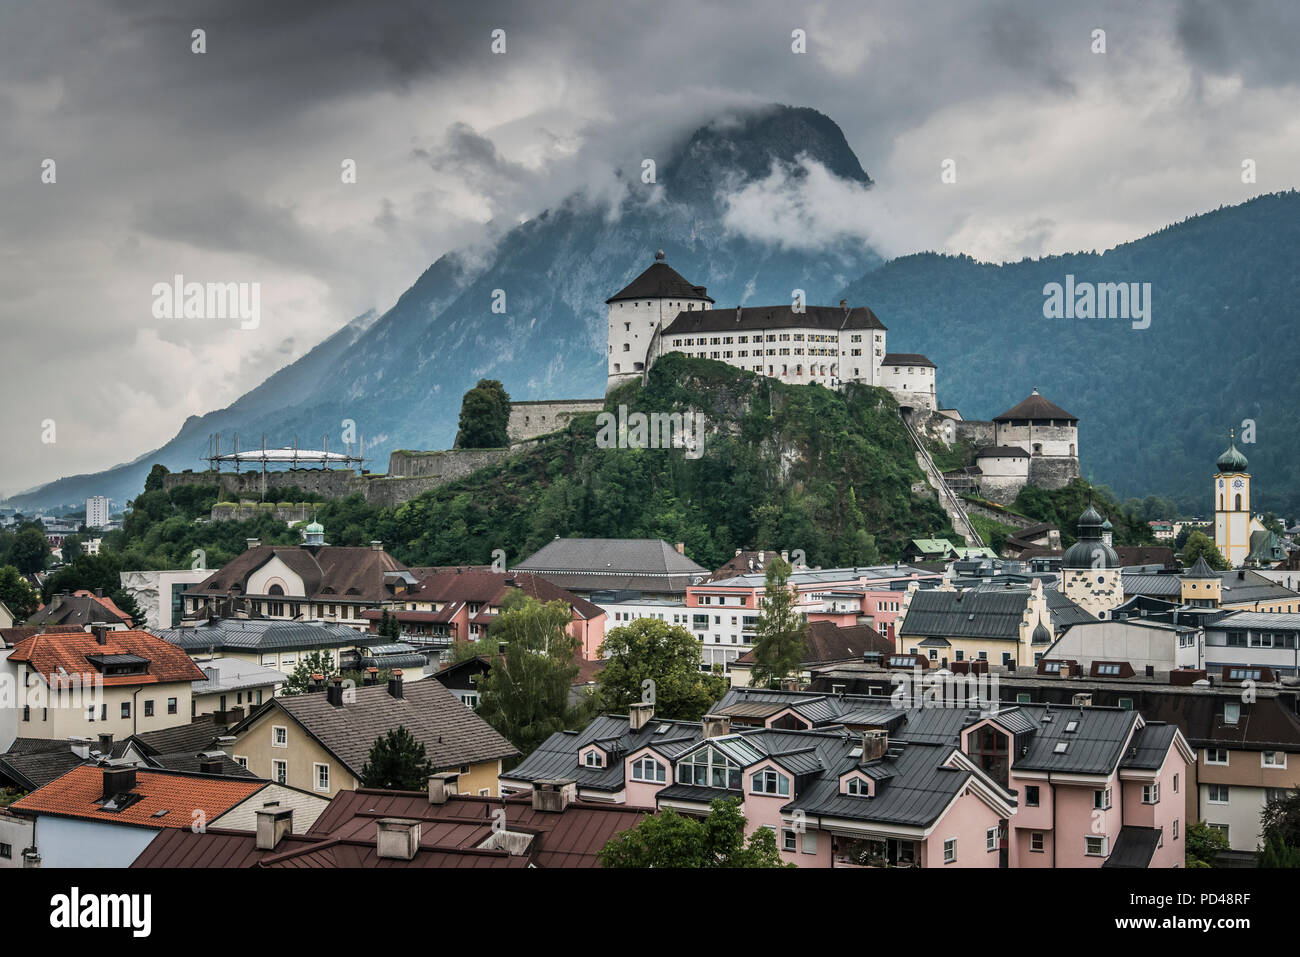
{"points": [[1071, 727], [1061, 747]]}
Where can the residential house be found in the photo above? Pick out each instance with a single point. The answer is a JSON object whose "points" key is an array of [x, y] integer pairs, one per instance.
{"points": [[104, 816], [82, 609], [321, 741], [76, 684], [233, 688], [309, 582], [461, 604], [1008, 625], [825, 643]]}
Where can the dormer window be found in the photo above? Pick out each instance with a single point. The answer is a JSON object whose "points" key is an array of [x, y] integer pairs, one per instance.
{"points": [[857, 787], [593, 759], [770, 782]]}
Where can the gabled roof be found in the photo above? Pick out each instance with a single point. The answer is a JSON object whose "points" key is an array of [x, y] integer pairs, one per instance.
{"points": [[660, 281], [167, 799], [328, 572], [74, 653], [1035, 407], [641, 564], [972, 613], [750, 318], [80, 609], [1149, 746], [451, 733]]}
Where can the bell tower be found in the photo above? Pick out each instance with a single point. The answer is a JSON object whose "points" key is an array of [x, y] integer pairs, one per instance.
{"points": [[1232, 525]]}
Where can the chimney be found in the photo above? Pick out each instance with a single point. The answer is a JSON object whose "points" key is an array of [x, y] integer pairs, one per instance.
{"points": [[395, 683], [252, 542], [875, 744], [334, 693], [119, 777], [844, 304], [639, 714], [376, 546], [214, 674], [316, 683], [680, 548], [372, 676], [101, 634], [210, 762], [80, 747], [105, 743], [442, 786], [738, 313], [398, 838], [554, 795], [716, 725], [273, 824]]}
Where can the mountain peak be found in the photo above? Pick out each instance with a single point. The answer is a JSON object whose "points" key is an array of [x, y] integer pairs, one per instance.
{"points": [[742, 145]]}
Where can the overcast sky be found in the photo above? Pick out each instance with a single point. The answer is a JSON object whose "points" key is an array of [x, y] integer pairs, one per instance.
{"points": [[225, 166]]}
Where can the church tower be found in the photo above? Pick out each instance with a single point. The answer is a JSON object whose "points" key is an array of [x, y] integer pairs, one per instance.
{"points": [[1091, 576], [639, 310], [1232, 519]]}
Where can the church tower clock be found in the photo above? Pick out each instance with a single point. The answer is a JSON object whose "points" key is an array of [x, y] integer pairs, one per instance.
{"points": [[1232, 517]]}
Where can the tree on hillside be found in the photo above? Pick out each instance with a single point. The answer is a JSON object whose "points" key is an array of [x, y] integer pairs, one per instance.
{"points": [[397, 762], [484, 417], [668, 655], [1200, 545], [668, 839], [30, 551], [781, 633], [154, 481], [18, 596], [316, 663], [526, 694]]}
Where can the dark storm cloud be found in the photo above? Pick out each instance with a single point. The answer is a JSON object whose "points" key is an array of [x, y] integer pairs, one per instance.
{"points": [[227, 164]]}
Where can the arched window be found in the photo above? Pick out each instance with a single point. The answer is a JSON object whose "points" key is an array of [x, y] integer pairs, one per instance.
{"points": [[1237, 506], [275, 590]]}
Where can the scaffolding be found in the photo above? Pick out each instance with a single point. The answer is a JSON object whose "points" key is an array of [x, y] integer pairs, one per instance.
{"points": [[293, 457]]}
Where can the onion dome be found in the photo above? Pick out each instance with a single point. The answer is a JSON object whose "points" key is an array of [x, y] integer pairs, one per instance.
{"points": [[1232, 460], [1041, 635], [1090, 551]]}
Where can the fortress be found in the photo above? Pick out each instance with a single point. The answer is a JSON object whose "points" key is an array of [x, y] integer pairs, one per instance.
{"points": [[1034, 442]]}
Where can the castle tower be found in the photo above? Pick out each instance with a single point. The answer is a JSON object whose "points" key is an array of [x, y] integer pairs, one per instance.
{"points": [[1232, 521], [1202, 586], [642, 308], [1090, 570]]}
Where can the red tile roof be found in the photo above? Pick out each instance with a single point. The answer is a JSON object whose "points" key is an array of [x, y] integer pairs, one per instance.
{"points": [[180, 795], [56, 653], [491, 588]]}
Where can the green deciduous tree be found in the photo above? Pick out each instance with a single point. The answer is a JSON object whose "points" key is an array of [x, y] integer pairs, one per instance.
{"points": [[526, 694], [1200, 545], [397, 762], [1204, 844], [781, 632], [484, 417], [668, 655], [30, 551], [18, 596], [669, 839]]}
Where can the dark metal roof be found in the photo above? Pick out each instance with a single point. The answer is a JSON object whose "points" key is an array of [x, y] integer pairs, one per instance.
{"points": [[1149, 746], [660, 281], [1093, 747], [1134, 847], [261, 634], [750, 318], [1035, 407], [906, 359], [965, 614]]}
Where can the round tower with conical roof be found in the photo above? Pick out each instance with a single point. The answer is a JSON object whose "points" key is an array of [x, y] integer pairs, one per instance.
{"points": [[1091, 576], [1232, 520], [639, 310]]}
